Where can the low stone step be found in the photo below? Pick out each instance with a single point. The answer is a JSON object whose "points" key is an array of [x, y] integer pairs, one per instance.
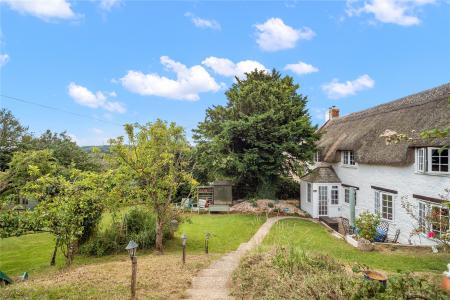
{"points": [[209, 294], [210, 282]]}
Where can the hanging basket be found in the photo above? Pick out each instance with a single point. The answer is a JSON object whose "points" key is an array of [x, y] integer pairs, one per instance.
{"points": [[365, 245]]}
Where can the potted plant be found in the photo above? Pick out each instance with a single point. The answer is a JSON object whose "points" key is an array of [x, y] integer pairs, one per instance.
{"points": [[366, 225]]}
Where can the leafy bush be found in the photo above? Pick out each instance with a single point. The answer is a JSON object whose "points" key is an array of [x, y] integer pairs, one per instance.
{"points": [[270, 205], [287, 189], [367, 224], [138, 224], [286, 273]]}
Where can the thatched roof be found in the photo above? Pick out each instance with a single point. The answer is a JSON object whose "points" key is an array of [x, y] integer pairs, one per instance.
{"points": [[323, 173], [361, 131]]}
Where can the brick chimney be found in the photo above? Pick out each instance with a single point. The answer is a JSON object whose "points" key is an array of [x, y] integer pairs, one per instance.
{"points": [[332, 113]]}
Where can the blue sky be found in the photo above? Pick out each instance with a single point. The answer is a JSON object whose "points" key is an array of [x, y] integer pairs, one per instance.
{"points": [[135, 61]]}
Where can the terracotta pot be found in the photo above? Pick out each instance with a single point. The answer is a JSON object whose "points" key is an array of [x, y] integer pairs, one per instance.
{"points": [[445, 283], [373, 275]]}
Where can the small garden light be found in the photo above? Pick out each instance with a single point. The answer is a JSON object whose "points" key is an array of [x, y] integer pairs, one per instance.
{"points": [[131, 248], [207, 236], [183, 243]]}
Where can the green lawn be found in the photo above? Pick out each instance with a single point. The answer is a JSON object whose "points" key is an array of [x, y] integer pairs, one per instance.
{"points": [[314, 238], [227, 232], [32, 253]]}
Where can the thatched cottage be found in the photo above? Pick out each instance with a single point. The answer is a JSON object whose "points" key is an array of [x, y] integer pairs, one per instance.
{"points": [[356, 170]]}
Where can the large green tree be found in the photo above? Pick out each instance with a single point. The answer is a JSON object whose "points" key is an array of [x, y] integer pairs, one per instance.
{"points": [[259, 136], [157, 159], [12, 137]]}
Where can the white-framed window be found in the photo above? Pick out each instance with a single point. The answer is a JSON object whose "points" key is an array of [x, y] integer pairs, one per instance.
{"points": [[308, 192], [317, 156], [347, 195], [334, 195], [438, 160], [433, 217], [348, 158], [421, 160], [347, 192], [323, 200], [384, 205]]}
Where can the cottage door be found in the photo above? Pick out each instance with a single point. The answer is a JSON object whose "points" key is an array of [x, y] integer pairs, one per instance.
{"points": [[323, 200]]}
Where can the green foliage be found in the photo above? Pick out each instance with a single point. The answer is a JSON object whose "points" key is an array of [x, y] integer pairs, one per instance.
{"points": [[292, 272], [314, 238], [157, 159], [262, 133], [13, 136], [69, 208], [287, 188], [65, 150], [138, 224], [367, 224]]}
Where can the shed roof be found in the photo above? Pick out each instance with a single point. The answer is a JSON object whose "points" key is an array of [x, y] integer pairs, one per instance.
{"points": [[410, 115], [323, 173]]}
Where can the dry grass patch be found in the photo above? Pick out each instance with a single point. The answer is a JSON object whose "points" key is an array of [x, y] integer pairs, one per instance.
{"points": [[159, 277]]}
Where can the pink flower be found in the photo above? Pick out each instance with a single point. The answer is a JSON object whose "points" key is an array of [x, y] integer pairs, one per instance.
{"points": [[431, 234]]}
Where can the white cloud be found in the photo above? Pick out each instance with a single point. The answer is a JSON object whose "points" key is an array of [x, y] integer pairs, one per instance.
{"points": [[301, 68], [225, 67], [44, 9], [400, 12], [274, 35], [4, 59], [187, 85], [85, 97], [336, 89], [203, 23], [107, 5]]}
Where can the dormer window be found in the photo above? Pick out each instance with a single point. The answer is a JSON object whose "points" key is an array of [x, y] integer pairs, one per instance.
{"points": [[348, 158], [433, 160], [317, 156]]}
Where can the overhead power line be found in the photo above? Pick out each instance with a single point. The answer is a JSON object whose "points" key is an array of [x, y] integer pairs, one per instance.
{"points": [[58, 109]]}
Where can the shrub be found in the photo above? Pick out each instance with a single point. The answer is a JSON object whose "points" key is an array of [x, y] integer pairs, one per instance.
{"points": [[367, 224], [286, 273], [270, 205], [286, 188], [138, 224]]}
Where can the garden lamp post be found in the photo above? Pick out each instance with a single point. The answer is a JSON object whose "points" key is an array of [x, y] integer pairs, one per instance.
{"points": [[207, 235], [183, 243], [131, 248]]}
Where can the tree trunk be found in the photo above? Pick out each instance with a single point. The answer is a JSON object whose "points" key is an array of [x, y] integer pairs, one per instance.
{"points": [[159, 235], [53, 261]]}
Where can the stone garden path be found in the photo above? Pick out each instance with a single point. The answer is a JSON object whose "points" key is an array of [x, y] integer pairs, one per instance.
{"points": [[214, 282]]}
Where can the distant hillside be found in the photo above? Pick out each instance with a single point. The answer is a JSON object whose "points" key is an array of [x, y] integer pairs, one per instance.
{"points": [[103, 148]]}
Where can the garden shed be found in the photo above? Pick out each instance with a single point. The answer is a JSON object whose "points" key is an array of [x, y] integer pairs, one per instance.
{"points": [[217, 193]]}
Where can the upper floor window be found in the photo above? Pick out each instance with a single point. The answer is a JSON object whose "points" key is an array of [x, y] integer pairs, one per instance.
{"points": [[317, 156], [384, 205], [432, 160], [348, 158], [335, 195]]}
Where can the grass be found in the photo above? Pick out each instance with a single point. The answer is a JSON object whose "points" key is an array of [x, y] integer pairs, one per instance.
{"points": [[227, 232], [314, 238], [107, 277]]}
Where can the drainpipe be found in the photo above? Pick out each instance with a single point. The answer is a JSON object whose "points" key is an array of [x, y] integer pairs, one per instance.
{"points": [[352, 207]]}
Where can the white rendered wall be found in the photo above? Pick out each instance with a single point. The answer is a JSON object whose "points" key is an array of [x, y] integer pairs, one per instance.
{"points": [[404, 180]]}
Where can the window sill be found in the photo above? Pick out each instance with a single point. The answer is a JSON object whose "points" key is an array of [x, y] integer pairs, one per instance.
{"points": [[349, 166], [433, 174]]}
